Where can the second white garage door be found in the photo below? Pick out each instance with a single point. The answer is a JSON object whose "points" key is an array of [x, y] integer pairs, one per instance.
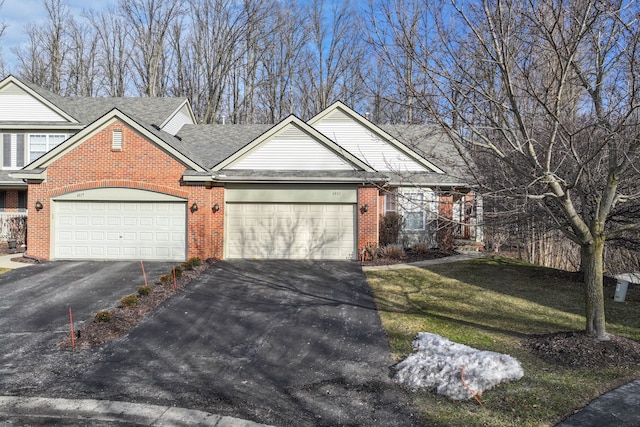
{"points": [[290, 231], [120, 230]]}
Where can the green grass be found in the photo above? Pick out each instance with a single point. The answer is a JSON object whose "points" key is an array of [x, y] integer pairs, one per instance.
{"points": [[491, 304]]}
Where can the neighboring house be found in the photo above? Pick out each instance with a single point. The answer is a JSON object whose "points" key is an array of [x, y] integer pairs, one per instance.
{"points": [[136, 178]]}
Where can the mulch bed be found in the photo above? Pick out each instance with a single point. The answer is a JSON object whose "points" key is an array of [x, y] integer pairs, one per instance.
{"points": [[123, 319], [409, 257], [575, 348]]}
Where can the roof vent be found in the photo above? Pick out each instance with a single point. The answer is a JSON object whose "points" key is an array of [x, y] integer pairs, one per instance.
{"points": [[177, 137], [155, 126], [116, 140]]}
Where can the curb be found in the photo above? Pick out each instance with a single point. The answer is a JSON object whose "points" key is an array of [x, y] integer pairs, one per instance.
{"points": [[122, 412]]}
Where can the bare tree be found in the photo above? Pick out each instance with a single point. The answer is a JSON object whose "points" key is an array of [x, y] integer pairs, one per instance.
{"points": [[113, 53], [549, 90], [42, 61], [335, 51], [150, 22], [285, 40], [3, 27]]}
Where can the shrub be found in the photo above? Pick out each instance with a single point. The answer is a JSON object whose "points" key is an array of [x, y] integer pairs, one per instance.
{"points": [[372, 250], [103, 316], [144, 290], [166, 279], [420, 247], [179, 270], [390, 226], [129, 301], [195, 261], [392, 252]]}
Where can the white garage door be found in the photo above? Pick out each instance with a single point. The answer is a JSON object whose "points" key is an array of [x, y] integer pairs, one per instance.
{"points": [[120, 230], [290, 231]]}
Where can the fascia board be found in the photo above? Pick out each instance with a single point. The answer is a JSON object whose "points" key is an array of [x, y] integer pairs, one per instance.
{"points": [[314, 133]]}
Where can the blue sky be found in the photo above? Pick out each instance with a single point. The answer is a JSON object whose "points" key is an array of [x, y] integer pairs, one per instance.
{"points": [[17, 13]]}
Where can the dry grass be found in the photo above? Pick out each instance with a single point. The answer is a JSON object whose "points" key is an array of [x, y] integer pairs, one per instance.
{"points": [[495, 304]]}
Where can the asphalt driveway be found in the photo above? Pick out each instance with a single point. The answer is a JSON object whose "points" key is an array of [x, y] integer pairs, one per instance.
{"points": [[278, 342]]}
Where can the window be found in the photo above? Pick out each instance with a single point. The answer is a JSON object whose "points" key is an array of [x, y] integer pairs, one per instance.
{"points": [[41, 143], [22, 201], [12, 150], [413, 211], [390, 201]]}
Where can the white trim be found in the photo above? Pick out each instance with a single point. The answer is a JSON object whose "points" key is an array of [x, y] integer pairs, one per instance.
{"points": [[47, 103], [294, 121], [376, 130]]}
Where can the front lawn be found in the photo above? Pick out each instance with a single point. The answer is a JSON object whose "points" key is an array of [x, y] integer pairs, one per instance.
{"points": [[493, 304]]}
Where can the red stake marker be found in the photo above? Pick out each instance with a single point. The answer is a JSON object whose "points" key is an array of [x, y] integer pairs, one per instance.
{"points": [[73, 338], [143, 273], [175, 280]]}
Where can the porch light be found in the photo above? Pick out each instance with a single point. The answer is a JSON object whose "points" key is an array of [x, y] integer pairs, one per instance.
{"points": [[364, 208], [215, 208], [194, 207], [38, 205]]}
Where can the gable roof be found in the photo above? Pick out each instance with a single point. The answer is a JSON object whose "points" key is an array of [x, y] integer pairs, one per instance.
{"points": [[377, 131], [84, 110], [173, 146], [289, 122], [46, 98], [215, 142]]}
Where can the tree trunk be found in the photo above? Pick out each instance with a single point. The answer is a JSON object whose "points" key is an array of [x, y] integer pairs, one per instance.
{"points": [[592, 268]]}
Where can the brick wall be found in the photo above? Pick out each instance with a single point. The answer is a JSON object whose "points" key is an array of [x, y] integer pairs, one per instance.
{"points": [[368, 222], [140, 165]]}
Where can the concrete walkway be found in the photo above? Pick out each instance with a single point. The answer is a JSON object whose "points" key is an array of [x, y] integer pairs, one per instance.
{"points": [[455, 258], [5, 261]]}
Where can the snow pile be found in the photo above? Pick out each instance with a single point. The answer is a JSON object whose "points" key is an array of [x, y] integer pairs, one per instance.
{"points": [[438, 363]]}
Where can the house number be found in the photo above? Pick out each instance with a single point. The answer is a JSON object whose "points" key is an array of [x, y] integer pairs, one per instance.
{"points": [[337, 193], [80, 195]]}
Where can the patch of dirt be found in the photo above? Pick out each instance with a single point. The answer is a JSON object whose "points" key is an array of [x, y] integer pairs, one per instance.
{"points": [[410, 257], [577, 349], [123, 319]]}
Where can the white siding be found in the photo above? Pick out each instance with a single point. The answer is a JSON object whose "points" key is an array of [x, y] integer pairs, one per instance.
{"points": [[365, 145], [291, 149], [16, 105], [181, 118]]}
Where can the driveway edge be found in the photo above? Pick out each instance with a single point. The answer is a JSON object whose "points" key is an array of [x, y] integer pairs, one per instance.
{"points": [[106, 410]]}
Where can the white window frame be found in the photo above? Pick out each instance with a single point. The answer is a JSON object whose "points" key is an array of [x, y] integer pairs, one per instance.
{"points": [[417, 200], [48, 144], [12, 157]]}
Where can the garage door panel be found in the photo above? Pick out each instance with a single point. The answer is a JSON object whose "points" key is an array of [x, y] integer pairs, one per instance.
{"points": [[120, 230], [291, 231]]}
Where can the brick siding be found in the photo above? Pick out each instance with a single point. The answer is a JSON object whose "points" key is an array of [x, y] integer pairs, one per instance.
{"points": [[139, 165]]}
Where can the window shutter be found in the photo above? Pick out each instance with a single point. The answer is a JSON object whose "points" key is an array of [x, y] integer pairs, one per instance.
{"points": [[116, 141], [6, 150], [20, 150]]}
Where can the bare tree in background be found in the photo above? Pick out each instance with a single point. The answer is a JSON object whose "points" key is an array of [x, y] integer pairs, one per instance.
{"points": [[42, 60], [283, 47], [150, 22], [336, 51], [3, 27], [113, 53], [550, 91]]}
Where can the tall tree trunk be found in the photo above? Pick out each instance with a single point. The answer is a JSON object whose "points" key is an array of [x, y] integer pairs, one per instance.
{"points": [[592, 267]]}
